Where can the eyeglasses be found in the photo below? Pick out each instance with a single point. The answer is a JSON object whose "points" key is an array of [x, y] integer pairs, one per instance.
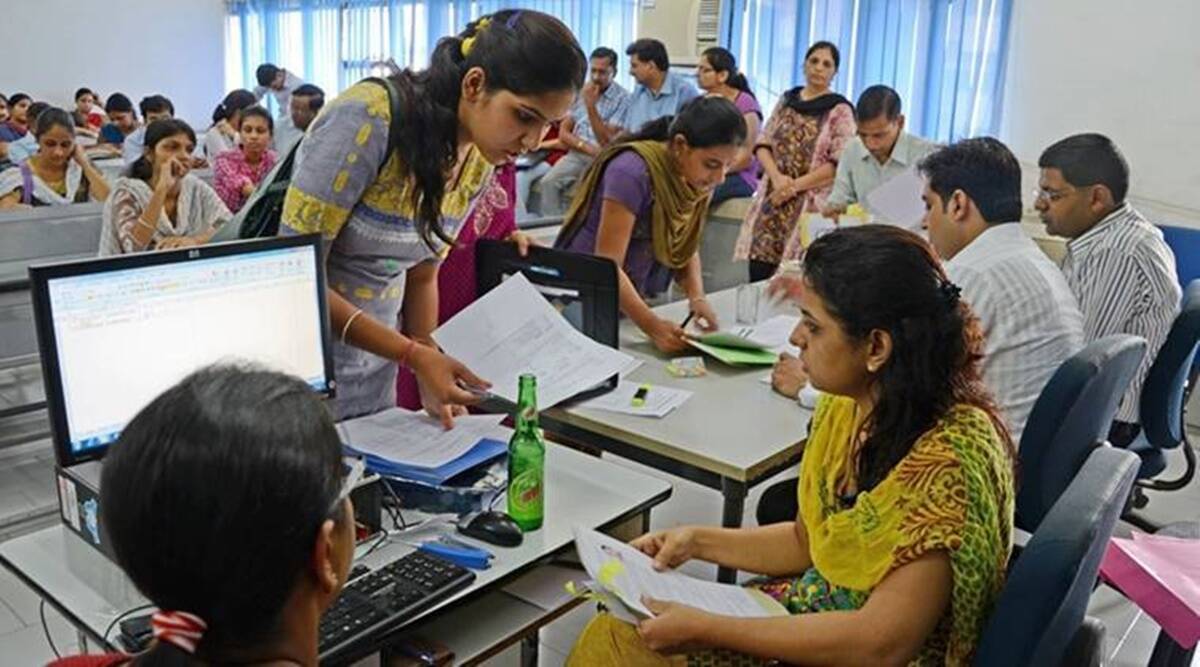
{"points": [[1050, 195], [353, 477]]}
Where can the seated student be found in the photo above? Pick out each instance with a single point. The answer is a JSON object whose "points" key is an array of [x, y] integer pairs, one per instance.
{"points": [[232, 586], [222, 135], [306, 101], [659, 91], [1117, 263], [17, 124], [1031, 321], [642, 204], [238, 171], [160, 205], [718, 75], [154, 107], [122, 120], [58, 174], [881, 151], [906, 495], [4, 161], [494, 217], [601, 101], [277, 81], [87, 114], [20, 150]]}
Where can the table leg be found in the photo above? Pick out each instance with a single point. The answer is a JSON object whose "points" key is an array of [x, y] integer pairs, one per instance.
{"points": [[529, 650], [734, 494], [1167, 653]]}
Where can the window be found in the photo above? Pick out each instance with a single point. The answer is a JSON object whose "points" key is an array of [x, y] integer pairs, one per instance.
{"points": [[945, 57], [334, 43]]}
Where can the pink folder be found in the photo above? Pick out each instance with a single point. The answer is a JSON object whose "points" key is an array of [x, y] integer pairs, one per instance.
{"points": [[1162, 576]]}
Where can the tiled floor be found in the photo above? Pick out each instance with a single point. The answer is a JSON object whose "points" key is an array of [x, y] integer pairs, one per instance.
{"points": [[25, 483]]}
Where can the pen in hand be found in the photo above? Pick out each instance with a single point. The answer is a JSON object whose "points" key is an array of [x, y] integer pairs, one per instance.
{"points": [[687, 319]]}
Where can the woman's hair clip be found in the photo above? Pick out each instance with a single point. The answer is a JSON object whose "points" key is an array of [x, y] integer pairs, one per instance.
{"points": [[468, 43], [949, 293]]}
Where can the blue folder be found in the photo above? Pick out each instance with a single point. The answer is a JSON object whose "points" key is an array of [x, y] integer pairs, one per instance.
{"points": [[485, 451]]}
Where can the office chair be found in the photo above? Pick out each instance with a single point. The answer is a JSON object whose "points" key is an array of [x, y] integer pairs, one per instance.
{"points": [[1039, 618], [1070, 418], [1163, 407]]}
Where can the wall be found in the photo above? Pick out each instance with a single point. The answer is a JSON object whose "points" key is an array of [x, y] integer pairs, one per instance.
{"points": [[1130, 70], [137, 47], [672, 23]]}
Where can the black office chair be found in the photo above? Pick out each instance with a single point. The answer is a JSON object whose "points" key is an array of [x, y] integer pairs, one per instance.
{"points": [[1163, 407], [1039, 618], [1070, 418]]}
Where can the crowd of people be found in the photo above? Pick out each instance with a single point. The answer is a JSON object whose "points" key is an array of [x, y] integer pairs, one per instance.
{"points": [[929, 347]]}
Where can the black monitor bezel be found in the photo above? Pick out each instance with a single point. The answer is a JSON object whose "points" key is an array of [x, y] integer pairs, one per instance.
{"points": [[40, 276]]}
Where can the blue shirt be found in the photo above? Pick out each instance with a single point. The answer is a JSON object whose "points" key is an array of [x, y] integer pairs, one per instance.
{"points": [[645, 106], [112, 134], [20, 150], [611, 107]]}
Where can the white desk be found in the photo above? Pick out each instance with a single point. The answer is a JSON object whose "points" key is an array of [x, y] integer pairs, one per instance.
{"points": [[733, 433], [91, 592]]}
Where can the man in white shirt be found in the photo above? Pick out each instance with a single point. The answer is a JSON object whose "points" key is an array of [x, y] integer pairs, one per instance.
{"points": [[881, 151], [1117, 264], [153, 107], [1030, 318], [280, 83]]}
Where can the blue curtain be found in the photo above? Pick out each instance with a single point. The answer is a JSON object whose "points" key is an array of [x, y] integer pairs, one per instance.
{"points": [[946, 58], [334, 43]]}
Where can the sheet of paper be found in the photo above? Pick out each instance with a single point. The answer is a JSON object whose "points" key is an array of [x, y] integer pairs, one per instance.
{"points": [[659, 401], [775, 332], [813, 226], [414, 438], [897, 201], [513, 330], [628, 574]]}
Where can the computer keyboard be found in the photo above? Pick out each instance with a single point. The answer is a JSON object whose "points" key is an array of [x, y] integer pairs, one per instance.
{"points": [[377, 601]]}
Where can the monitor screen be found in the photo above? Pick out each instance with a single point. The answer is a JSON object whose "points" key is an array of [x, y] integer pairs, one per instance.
{"points": [[115, 333]]}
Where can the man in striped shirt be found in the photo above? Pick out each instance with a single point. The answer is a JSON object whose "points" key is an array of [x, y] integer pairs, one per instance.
{"points": [[1030, 319], [1117, 264]]}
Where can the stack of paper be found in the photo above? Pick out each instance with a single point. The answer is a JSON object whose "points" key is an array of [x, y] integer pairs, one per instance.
{"points": [[413, 445], [897, 201], [513, 330], [657, 401], [623, 575], [757, 345]]}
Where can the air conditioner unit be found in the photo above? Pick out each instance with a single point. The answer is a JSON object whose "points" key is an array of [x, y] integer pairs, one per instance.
{"points": [[706, 24], [686, 27]]}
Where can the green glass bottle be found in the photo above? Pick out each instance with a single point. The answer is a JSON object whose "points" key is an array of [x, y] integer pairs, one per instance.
{"points": [[527, 460]]}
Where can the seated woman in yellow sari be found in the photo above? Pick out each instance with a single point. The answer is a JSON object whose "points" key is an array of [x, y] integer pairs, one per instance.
{"points": [[906, 486]]}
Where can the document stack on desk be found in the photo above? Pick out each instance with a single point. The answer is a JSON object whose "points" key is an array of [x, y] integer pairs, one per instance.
{"points": [[756, 345], [413, 445], [622, 576], [513, 330], [641, 400]]}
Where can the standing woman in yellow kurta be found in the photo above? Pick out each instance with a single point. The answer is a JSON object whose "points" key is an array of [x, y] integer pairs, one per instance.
{"points": [[488, 95]]}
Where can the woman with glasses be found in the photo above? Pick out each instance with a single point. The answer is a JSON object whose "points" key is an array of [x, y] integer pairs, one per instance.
{"points": [[233, 585]]}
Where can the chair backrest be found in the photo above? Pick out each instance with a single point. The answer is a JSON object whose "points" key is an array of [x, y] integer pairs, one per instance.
{"points": [[1070, 418], [1045, 598], [1163, 395]]}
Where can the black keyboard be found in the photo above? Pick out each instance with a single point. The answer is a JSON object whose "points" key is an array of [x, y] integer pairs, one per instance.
{"points": [[377, 601]]}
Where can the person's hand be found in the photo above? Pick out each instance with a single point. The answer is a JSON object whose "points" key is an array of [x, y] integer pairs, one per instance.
{"points": [[667, 336], [79, 155], [787, 377], [176, 242], [832, 211], [590, 93], [674, 628], [705, 316], [669, 548], [785, 287], [169, 173], [440, 379], [523, 241], [247, 188], [198, 162], [225, 128]]}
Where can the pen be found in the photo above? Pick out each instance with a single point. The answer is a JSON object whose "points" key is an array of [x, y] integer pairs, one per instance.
{"points": [[687, 319], [639, 397]]}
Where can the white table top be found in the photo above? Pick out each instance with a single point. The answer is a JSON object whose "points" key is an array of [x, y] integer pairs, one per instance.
{"points": [[734, 425], [580, 489]]}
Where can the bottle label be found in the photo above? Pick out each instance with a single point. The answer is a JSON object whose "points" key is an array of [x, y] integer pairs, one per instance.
{"points": [[525, 494]]}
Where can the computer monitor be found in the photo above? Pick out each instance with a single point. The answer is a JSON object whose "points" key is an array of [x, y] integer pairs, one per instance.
{"points": [[114, 333], [583, 288]]}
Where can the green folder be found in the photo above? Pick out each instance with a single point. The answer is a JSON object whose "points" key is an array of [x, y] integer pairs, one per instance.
{"points": [[737, 356]]}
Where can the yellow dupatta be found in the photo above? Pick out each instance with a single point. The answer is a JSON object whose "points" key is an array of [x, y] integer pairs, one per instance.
{"points": [[677, 214]]}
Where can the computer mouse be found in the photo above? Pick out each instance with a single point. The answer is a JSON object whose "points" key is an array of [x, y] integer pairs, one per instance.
{"points": [[492, 527]]}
